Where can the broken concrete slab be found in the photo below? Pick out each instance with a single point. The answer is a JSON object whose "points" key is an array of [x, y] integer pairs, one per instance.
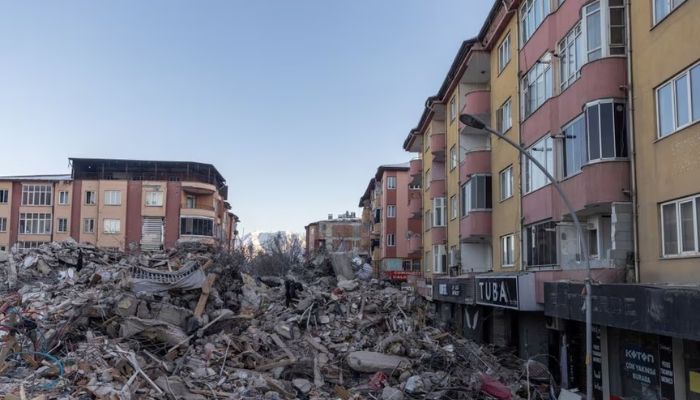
{"points": [[370, 361]]}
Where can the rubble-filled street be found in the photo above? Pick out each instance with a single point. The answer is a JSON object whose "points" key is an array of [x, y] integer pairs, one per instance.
{"points": [[77, 322]]}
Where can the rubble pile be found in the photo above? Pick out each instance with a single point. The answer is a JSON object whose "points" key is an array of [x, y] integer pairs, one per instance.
{"points": [[84, 323]]}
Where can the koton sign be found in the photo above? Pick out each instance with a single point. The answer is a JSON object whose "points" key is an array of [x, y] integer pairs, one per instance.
{"points": [[497, 291]]}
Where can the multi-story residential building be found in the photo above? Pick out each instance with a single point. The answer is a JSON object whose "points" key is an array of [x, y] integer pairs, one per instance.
{"points": [[343, 233], [395, 228], [123, 204], [649, 332]]}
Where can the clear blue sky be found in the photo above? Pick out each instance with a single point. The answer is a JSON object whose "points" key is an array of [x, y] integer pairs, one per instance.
{"points": [[295, 102]]}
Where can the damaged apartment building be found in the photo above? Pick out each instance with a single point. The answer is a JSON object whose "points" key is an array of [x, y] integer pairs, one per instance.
{"points": [[392, 215], [120, 204], [343, 233]]}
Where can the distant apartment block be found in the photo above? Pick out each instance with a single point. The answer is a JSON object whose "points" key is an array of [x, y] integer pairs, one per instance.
{"points": [[121, 204], [343, 233]]}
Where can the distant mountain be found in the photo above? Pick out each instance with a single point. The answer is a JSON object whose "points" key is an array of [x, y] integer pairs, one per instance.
{"points": [[261, 241]]}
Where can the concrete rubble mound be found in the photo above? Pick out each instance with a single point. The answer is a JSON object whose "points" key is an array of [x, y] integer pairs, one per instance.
{"points": [[77, 322]]}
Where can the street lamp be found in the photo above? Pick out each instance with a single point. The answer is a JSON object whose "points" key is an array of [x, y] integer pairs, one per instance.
{"points": [[476, 123]]}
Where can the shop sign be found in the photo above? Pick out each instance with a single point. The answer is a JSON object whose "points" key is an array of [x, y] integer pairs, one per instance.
{"points": [[597, 364], [453, 290], [666, 367], [641, 365], [498, 291]]}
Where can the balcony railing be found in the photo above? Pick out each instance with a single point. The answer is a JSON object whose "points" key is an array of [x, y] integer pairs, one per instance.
{"points": [[475, 162]]}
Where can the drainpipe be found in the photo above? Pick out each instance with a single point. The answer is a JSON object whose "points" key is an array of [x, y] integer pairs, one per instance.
{"points": [[631, 136]]}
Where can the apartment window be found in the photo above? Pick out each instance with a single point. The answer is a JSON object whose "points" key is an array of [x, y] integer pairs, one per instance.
{"points": [[427, 178], [63, 198], [617, 35], [508, 250], [606, 130], [570, 56], [453, 108], [154, 199], [540, 241], [506, 180], [377, 215], [680, 226], [454, 160], [391, 182], [594, 41], [62, 225], [454, 208], [4, 196], [27, 245], [113, 197], [391, 211], [390, 240], [536, 87], [504, 119], [3, 224], [415, 186], [34, 223], [543, 152], [439, 259], [427, 221], [439, 211], [532, 13], [664, 7], [678, 102], [504, 53], [575, 151], [476, 194], [89, 225], [36, 195], [454, 256], [90, 198], [191, 202], [196, 226], [111, 226]]}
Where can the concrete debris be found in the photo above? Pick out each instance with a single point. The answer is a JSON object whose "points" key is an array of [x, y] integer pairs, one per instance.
{"points": [[139, 326]]}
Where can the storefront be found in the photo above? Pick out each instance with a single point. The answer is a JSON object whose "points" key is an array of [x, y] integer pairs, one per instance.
{"points": [[646, 338], [454, 302]]}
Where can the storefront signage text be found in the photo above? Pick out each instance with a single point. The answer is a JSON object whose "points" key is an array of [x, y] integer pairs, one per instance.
{"points": [[501, 291]]}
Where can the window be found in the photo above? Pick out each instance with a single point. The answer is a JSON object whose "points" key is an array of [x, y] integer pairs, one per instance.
{"points": [[427, 221], [62, 225], [575, 149], [533, 177], [391, 182], [63, 198], [390, 240], [414, 186], [678, 102], [113, 197], [506, 178], [594, 41], [540, 244], [504, 53], [154, 199], [454, 256], [4, 196], [439, 211], [36, 195], [570, 56], [391, 211], [536, 87], [617, 35], [439, 259], [508, 250], [504, 121], [427, 178], [476, 194], [454, 208], [606, 130], [453, 108], [377, 215], [34, 223], [196, 226], [191, 202], [3, 224], [532, 13], [90, 198], [111, 226], [89, 225], [680, 226], [30, 245], [453, 157], [664, 7]]}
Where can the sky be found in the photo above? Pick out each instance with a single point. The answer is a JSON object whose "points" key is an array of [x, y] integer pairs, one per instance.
{"points": [[296, 102]]}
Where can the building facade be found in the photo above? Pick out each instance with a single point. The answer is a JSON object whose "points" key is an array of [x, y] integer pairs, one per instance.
{"points": [[395, 228], [121, 204], [344, 233]]}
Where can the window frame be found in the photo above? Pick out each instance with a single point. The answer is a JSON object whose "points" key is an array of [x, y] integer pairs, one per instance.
{"points": [[505, 249], [527, 246], [63, 198], [528, 186], [501, 125], [545, 10], [89, 223], [35, 193], [90, 194], [389, 184], [113, 197], [113, 222], [504, 53], [59, 223], [655, 19], [439, 205], [564, 159], [454, 207], [671, 82], [453, 108], [31, 223], [4, 196], [392, 242], [454, 157], [439, 254], [599, 104], [3, 224], [571, 40], [149, 201], [389, 213], [540, 70], [695, 202], [466, 192], [509, 171], [193, 218]]}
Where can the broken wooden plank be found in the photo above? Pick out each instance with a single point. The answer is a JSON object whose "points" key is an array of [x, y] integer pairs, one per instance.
{"points": [[204, 297]]}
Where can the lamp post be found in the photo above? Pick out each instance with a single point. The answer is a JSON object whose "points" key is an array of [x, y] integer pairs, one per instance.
{"points": [[476, 123]]}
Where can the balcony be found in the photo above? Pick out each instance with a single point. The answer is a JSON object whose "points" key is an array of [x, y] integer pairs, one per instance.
{"points": [[415, 171], [438, 188], [475, 162], [438, 235], [415, 204], [477, 102], [376, 230], [475, 227], [415, 244], [438, 146], [198, 188]]}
